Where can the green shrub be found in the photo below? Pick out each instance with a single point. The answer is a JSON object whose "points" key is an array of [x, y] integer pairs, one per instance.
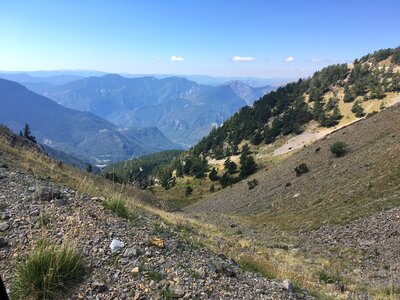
{"points": [[44, 219], [156, 276], [339, 148], [252, 184], [121, 210], [119, 207], [301, 169], [48, 272], [167, 294], [328, 278], [188, 191], [3, 206]]}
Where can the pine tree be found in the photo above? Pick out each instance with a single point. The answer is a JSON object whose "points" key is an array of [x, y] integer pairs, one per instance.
{"points": [[27, 133], [230, 166], [225, 180], [358, 110], [89, 168], [213, 176], [257, 138], [247, 163], [348, 95]]}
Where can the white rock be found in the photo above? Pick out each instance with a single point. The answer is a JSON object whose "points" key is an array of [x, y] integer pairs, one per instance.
{"points": [[287, 285], [116, 245]]}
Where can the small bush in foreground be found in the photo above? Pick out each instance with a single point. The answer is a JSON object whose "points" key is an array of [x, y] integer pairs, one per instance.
{"points": [[156, 276], [44, 219], [121, 210], [339, 148], [328, 278], [47, 272], [117, 206], [301, 169]]}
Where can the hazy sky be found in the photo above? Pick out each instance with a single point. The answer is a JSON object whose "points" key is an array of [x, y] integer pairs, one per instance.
{"points": [[231, 37]]}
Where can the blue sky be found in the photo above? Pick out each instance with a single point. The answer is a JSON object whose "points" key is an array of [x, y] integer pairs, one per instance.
{"points": [[214, 37]]}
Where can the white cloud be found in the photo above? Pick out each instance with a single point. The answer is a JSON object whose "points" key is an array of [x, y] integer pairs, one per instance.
{"points": [[243, 58], [289, 59], [177, 58]]}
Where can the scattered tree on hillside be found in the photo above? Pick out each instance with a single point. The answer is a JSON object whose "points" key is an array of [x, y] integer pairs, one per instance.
{"points": [[165, 177], [301, 169], [89, 168], [348, 95], [230, 166], [226, 180], [339, 148], [257, 138], [247, 163], [358, 110], [213, 176], [252, 184], [26, 132]]}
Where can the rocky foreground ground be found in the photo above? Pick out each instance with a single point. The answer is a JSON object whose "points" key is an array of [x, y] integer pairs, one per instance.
{"points": [[148, 260]]}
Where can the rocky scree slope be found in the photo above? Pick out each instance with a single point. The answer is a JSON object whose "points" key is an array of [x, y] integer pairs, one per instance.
{"points": [[156, 260]]}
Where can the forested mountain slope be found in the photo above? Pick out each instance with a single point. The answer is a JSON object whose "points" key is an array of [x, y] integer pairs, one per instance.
{"points": [[333, 95]]}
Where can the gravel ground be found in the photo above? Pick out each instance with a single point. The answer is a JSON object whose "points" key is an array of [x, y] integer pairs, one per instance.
{"points": [[156, 260]]}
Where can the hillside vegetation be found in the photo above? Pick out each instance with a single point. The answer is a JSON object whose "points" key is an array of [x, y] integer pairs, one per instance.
{"points": [[289, 108], [285, 120]]}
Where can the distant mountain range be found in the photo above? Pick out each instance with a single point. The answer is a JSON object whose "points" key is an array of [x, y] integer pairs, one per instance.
{"points": [[182, 109], [79, 133], [47, 77]]}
